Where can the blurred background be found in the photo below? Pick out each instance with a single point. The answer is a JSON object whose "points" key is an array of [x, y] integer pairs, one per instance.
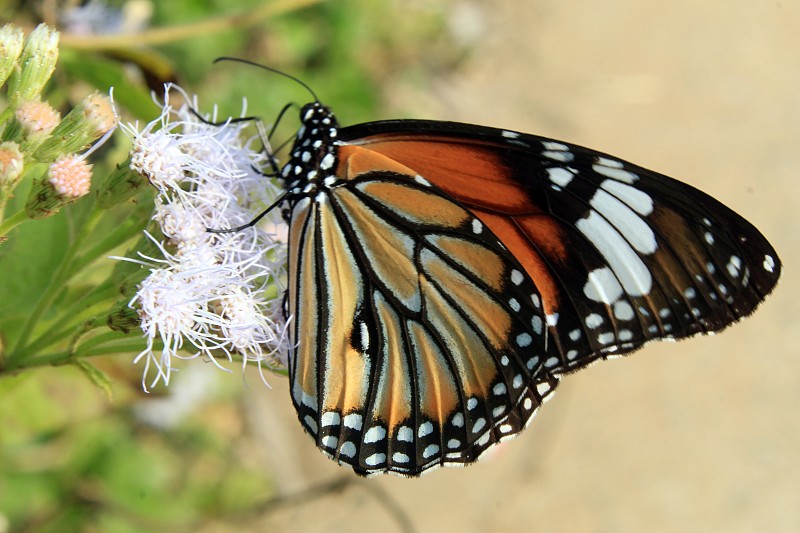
{"points": [[701, 435]]}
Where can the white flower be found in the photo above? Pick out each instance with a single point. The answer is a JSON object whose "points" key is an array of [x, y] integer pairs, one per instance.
{"points": [[214, 294]]}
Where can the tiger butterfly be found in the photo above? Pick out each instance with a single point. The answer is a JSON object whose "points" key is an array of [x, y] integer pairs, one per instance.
{"points": [[444, 276]]}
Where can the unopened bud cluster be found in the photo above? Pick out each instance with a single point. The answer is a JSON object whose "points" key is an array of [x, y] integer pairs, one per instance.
{"points": [[36, 143]]}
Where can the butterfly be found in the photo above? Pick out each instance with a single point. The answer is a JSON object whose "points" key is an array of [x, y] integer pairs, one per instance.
{"points": [[443, 277]]}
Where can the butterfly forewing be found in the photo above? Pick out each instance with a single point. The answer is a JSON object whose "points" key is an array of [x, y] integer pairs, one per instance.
{"points": [[620, 254]]}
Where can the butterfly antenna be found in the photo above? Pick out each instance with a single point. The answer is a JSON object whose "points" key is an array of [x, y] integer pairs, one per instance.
{"points": [[270, 69]]}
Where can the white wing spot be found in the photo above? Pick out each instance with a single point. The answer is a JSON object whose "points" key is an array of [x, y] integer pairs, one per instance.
{"points": [[690, 293], [734, 266], [572, 354], [453, 444], [509, 134], [527, 403], [709, 237], [605, 338], [472, 403], [364, 336], [575, 334], [483, 439], [422, 181], [551, 319], [477, 226], [543, 388], [532, 362], [499, 389], [353, 421], [625, 335], [769, 263], [516, 277], [478, 425], [562, 157], [506, 428], [553, 361], [536, 301], [615, 173], [602, 286], [348, 449], [523, 340], [330, 442], [553, 145], [374, 434], [504, 360], [398, 457], [405, 434], [537, 324], [514, 304], [634, 198], [561, 176], [497, 411], [458, 420], [623, 310], [330, 418], [375, 459], [594, 321], [425, 429], [517, 383]]}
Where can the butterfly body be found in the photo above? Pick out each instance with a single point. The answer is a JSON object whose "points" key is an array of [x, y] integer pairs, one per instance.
{"points": [[443, 277]]}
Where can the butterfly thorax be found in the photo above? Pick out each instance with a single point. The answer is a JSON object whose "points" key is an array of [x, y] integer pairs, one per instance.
{"points": [[312, 161]]}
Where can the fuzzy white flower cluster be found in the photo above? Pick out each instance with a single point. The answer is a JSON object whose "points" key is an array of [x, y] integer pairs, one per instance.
{"points": [[213, 295]]}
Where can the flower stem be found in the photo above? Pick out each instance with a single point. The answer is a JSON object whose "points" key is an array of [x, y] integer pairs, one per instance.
{"points": [[111, 342], [170, 34], [12, 222]]}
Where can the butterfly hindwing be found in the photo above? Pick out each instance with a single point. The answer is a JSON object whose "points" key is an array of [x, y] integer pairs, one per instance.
{"points": [[419, 337]]}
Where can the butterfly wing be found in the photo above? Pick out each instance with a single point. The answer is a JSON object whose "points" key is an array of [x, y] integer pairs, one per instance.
{"points": [[418, 335], [620, 254]]}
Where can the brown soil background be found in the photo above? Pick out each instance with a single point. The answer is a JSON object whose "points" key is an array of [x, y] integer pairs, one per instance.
{"points": [[703, 435]]}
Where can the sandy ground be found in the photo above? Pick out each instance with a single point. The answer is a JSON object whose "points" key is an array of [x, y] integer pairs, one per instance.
{"points": [[703, 435]]}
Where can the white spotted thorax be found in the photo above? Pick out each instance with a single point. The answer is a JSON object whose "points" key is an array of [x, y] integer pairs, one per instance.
{"points": [[312, 161]]}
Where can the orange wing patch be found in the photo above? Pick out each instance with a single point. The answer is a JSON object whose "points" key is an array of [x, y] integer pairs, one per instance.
{"points": [[468, 173], [415, 205]]}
